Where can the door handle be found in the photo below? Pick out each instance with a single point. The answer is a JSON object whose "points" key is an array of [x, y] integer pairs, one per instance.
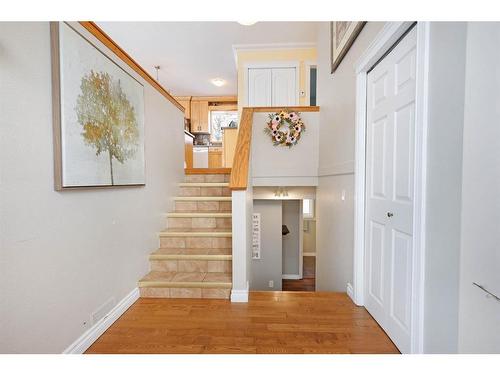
{"points": [[390, 214]]}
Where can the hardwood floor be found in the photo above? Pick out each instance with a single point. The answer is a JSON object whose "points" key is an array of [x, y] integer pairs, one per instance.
{"points": [[308, 282], [271, 322]]}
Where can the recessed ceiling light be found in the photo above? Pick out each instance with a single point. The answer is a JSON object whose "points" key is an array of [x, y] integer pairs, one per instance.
{"points": [[247, 23], [218, 82]]}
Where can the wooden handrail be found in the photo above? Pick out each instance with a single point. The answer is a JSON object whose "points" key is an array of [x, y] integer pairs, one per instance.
{"points": [[125, 57], [241, 159]]}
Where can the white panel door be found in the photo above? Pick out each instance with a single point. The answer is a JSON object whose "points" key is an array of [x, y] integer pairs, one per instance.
{"points": [[284, 87], [259, 87], [390, 139]]}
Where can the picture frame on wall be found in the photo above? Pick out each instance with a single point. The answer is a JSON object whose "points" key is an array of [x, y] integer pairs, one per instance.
{"points": [[342, 36], [98, 114]]}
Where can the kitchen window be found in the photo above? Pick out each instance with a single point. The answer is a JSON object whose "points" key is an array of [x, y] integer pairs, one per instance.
{"points": [[219, 120]]}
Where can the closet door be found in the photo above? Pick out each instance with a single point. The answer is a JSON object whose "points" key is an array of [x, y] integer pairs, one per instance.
{"points": [[284, 87], [390, 147], [259, 87]]}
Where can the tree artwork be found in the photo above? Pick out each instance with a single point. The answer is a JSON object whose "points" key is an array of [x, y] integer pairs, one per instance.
{"points": [[107, 117]]}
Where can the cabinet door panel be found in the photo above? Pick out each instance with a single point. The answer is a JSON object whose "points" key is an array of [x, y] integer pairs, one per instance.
{"points": [[195, 117], [284, 87], [259, 87], [204, 117]]}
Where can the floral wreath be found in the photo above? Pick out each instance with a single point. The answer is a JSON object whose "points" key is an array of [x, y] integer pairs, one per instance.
{"points": [[285, 128]]}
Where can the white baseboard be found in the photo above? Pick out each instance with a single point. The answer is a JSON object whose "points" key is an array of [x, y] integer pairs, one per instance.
{"points": [[92, 334], [308, 254], [350, 291], [239, 295], [291, 277]]}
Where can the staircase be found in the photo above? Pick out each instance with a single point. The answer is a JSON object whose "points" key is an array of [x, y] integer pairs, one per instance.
{"points": [[194, 258]]}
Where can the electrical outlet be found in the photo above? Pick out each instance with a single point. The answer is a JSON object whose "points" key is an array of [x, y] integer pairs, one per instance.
{"points": [[271, 283]]}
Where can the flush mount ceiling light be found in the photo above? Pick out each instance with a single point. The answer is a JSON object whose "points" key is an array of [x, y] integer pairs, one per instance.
{"points": [[247, 23], [218, 82]]}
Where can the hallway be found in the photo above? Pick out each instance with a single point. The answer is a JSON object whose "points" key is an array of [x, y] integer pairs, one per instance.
{"points": [[308, 281], [271, 322]]}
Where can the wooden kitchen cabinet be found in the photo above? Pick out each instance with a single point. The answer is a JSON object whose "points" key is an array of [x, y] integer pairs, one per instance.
{"points": [[185, 101], [199, 116], [215, 157]]}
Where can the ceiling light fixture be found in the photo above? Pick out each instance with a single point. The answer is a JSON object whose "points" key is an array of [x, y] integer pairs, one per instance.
{"points": [[247, 23], [218, 82]]}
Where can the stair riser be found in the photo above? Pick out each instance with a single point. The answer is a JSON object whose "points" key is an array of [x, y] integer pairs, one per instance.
{"points": [[217, 293], [191, 265], [196, 242], [199, 223], [207, 178], [202, 206], [205, 192]]}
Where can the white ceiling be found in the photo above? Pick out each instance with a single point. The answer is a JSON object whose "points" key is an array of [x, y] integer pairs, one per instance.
{"points": [[190, 54]]}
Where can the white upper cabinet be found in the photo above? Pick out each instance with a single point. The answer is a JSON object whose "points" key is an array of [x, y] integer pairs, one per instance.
{"points": [[259, 87], [271, 87], [283, 87]]}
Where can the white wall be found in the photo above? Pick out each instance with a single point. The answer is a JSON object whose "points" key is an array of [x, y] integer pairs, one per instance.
{"points": [[292, 218], [480, 257], [336, 98], [310, 236], [444, 185], [268, 267], [64, 254], [283, 166]]}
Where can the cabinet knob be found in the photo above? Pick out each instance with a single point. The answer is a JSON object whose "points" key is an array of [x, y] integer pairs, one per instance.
{"points": [[390, 214]]}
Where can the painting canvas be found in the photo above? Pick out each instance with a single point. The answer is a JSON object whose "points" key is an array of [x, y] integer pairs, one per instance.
{"points": [[343, 34], [98, 115]]}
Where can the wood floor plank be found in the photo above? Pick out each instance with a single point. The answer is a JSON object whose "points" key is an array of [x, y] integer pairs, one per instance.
{"points": [[271, 322]]}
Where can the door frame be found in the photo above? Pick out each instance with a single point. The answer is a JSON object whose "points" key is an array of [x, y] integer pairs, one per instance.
{"points": [[270, 65], [382, 44], [307, 89]]}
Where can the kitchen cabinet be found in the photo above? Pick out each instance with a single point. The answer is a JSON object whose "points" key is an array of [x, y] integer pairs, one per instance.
{"points": [[199, 116], [215, 157], [229, 144], [185, 101]]}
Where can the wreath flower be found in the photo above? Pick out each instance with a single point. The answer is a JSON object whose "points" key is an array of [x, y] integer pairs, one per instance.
{"points": [[285, 128]]}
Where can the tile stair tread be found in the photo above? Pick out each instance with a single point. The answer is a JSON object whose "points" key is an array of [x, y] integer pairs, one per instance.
{"points": [[187, 251], [187, 279], [204, 184], [204, 198], [179, 256], [199, 214], [196, 232]]}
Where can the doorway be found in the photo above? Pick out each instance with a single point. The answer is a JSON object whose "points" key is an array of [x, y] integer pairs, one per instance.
{"points": [[283, 257]]}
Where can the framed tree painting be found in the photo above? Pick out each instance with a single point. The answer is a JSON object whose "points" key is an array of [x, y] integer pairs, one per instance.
{"points": [[98, 114], [342, 35]]}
